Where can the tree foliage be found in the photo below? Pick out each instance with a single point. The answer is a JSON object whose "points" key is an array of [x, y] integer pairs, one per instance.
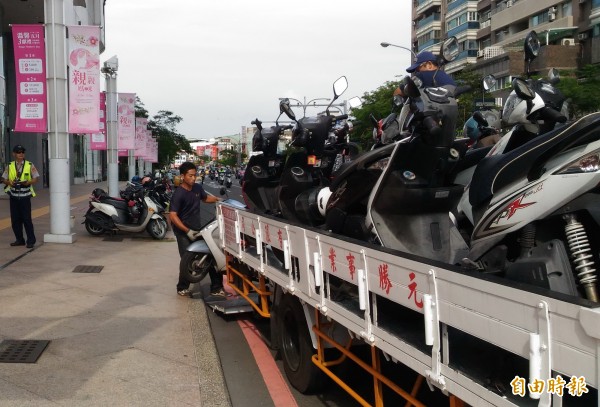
{"points": [[163, 126], [230, 157], [582, 87], [378, 104]]}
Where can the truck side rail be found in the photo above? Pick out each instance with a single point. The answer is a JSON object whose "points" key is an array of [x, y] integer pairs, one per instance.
{"points": [[555, 334]]}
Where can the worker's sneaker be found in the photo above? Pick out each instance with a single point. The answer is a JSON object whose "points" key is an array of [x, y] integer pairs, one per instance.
{"points": [[219, 293], [185, 292]]}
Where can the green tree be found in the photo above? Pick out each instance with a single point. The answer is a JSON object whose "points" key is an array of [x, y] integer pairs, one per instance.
{"points": [[164, 128], [228, 157], [582, 87], [467, 100], [377, 103]]}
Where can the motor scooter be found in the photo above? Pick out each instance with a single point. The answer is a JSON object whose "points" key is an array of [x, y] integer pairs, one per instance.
{"points": [[205, 253], [136, 214]]}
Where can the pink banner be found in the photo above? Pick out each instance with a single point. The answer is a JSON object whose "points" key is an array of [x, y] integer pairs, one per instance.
{"points": [[99, 139], [123, 153], [30, 70], [141, 127], [126, 121], [84, 79], [155, 151], [149, 143]]}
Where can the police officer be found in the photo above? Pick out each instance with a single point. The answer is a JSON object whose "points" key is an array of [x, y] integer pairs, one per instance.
{"points": [[19, 177]]}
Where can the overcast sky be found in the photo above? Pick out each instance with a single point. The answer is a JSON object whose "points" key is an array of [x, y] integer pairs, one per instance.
{"points": [[221, 64]]}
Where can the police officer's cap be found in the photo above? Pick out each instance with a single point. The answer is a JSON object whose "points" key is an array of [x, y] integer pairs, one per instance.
{"points": [[18, 148]]}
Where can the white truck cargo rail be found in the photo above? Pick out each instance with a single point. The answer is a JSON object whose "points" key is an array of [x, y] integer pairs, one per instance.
{"points": [[553, 335]]}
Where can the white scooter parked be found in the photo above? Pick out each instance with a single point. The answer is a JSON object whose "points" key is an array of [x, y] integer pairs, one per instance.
{"points": [[108, 214]]}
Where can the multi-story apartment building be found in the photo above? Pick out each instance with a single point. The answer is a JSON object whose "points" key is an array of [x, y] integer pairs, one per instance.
{"points": [[491, 32]]}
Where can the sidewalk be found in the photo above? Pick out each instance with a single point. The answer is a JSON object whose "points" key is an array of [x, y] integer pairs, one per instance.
{"points": [[120, 337]]}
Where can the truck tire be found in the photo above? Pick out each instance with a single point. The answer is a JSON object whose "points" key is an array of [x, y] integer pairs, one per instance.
{"points": [[195, 266], [296, 347]]}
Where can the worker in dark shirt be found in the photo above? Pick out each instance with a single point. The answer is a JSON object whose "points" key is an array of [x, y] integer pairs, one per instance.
{"points": [[185, 218]]}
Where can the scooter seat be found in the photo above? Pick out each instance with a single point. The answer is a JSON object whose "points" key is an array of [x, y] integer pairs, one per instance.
{"points": [[496, 172], [116, 202], [360, 163]]}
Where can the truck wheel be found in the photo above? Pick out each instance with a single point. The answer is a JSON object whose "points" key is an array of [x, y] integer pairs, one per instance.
{"points": [[296, 347], [195, 266], [157, 228]]}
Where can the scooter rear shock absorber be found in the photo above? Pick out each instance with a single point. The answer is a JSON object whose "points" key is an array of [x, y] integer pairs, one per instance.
{"points": [[579, 246]]}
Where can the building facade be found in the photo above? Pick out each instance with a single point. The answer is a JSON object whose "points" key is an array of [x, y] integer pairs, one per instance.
{"points": [[491, 33], [76, 12]]}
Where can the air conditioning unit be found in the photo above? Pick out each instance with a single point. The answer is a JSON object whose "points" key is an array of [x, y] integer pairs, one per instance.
{"points": [[480, 54], [551, 16], [567, 41], [552, 10], [582, 36], [509, 3]]}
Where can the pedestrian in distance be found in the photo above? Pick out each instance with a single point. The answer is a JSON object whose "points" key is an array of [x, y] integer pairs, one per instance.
{"points": [[185, 219], [18, 178]]}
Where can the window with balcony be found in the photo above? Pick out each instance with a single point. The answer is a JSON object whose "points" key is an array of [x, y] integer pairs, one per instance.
{"points": [[540, 18]]}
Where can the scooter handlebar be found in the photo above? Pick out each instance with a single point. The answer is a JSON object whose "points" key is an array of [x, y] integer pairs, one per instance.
{"points": [[552, 115]]}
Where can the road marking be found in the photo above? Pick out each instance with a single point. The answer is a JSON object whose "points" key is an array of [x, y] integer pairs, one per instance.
{"points": [[36, 213], [276, 385]]}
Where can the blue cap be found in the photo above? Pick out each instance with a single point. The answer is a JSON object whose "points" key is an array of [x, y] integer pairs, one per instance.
{"points": [[424, 56]]}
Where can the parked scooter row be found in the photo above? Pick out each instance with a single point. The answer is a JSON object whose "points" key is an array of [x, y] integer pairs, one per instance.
{"points": [[139, 208]]}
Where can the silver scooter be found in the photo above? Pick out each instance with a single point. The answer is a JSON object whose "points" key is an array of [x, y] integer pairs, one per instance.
{"points": [[205, 253]]}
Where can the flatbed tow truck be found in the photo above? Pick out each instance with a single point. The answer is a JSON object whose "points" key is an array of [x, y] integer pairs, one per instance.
{"points": [[480, 340]]}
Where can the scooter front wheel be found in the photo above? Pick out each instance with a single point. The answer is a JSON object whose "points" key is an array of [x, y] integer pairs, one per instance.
{"points": [[195, 266], [157, 228]]}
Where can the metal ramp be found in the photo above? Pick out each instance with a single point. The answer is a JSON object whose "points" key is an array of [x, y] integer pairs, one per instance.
{"points": [[232, 305]]}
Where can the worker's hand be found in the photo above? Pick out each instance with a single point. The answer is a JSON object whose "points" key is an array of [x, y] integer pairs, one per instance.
{"points": [[192, 234]]}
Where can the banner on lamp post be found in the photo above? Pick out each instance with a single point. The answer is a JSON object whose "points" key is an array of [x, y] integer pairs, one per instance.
{"points": [[141, 127], [149, 143], [84, 79], [155, 152], [30, 72], [98, 141], [126, 121]]}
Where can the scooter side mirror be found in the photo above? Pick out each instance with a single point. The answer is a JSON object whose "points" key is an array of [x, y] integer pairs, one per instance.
{"points": [[340, 86], [354, 102], [522, 89], [450, 49], [489, 82], [284, 107], [532, 46], [409, 87]]}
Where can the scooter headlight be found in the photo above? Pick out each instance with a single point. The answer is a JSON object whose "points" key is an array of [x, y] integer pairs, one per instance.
{"points": [[589, 163]]}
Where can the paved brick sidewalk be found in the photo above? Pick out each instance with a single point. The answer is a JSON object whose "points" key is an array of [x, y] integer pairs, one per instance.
{"points": [[121, 337]]}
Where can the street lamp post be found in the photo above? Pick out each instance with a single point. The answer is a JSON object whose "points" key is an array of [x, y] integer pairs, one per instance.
{"points": [[387, 44], [109, 70]]}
